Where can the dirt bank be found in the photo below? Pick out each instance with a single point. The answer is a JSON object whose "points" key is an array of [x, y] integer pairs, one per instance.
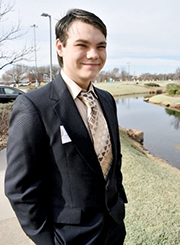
{"points": [[172, 102]]}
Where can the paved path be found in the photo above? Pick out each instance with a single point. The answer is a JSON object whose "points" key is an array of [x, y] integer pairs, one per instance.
{"points": [[10, 230]]}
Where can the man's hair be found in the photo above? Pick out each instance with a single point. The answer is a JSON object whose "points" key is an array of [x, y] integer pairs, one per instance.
{"points": [[63, 25]]}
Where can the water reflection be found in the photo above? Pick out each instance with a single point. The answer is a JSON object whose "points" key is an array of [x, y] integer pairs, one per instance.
{"points": [[176, 117], [161, 126]]}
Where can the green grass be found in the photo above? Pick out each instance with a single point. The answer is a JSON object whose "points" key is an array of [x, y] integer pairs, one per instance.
{"points": [[164, 99], [153, 191], [118, 88]]}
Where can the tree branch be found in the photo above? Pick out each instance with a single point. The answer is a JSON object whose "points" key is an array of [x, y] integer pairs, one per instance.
{"points": [[14, 58]]}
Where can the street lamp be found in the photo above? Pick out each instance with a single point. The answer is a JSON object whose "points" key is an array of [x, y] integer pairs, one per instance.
{"points": [[36, 71], [47, 15]]}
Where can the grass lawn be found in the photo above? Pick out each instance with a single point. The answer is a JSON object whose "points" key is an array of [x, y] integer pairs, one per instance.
{"points": [[153, 191], [118, 88], [165, 99]]}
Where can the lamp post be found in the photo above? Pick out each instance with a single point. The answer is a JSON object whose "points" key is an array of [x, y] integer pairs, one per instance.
{"points": [[47, 15], [36, 71]]}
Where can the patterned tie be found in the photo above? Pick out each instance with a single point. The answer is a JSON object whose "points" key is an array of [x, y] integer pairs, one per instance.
{"points": [[99, 132]]}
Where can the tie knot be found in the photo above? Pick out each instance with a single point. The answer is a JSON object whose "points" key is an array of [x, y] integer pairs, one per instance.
{"points": [[88, 99]]}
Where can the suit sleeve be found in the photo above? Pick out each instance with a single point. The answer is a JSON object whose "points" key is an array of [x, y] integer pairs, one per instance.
{"points": [[25, 178]]}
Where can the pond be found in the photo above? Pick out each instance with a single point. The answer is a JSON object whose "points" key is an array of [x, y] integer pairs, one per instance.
{"points": [[161, 126]]}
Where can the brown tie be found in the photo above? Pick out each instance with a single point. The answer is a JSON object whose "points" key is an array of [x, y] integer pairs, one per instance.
{"points": [[99, 132]]}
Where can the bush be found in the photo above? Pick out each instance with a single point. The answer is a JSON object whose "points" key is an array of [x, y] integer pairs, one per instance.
{"points": [[6, 106], [152, 84], [5, 112], [159, 91], [173, 89], [173, 85], [4, 121]]}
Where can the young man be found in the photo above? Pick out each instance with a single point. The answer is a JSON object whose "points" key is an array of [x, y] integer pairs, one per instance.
{"points": [[63, 177]]}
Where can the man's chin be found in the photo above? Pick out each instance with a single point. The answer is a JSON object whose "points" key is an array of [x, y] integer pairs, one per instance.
{"points": [[90, 75]]}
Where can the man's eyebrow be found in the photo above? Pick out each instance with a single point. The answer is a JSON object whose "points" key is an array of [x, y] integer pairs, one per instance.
{"points": [[87, 42], [102, 43]]}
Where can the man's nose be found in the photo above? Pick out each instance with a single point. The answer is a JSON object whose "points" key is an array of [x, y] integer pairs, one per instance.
{"points": [[92, 54]]}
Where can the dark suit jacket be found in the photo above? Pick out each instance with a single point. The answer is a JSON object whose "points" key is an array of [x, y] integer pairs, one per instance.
{"points": [[49, 182]]}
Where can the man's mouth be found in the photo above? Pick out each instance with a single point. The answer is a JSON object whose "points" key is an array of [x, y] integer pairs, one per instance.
{"points": [[91, 64]]}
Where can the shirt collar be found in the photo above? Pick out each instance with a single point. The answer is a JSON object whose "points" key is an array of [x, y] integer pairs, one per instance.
{"points": [[75, 89]]}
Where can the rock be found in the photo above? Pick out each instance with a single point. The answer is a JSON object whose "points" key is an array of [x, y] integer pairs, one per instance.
{"points": [[176, 106], [137, 135], [166, 104], [146, 99]]}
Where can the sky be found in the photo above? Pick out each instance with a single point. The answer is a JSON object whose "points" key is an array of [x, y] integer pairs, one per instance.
{"points": [[143, 35]]}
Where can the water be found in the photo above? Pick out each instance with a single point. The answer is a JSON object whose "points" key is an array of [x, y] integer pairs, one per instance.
{"points": [[161, 127]]}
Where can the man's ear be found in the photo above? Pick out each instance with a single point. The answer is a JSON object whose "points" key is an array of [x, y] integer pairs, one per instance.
{"points": [[59, 47]]}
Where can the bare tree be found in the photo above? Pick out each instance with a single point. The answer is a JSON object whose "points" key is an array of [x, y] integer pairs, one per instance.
{"points": [[100, 77], [16, 74], [124, 74], [46, 71], [8, 57], [115, 74], [177, 73]]}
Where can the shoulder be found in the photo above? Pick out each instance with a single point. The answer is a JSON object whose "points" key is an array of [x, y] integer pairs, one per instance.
{"points": [[39, 94], [48, 94], [34, 100]]}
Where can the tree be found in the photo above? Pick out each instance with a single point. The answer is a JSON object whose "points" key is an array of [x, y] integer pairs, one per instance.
{"points": [[16, 74], [115, 74], [101, 77], [177, 73], [7, 56], [124, 74], [45, 70]]}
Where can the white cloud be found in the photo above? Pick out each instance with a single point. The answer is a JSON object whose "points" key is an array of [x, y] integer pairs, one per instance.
{"points": [[142, 32], [138, 66]]}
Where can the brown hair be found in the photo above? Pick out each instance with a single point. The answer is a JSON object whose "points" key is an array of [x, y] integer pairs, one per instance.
{"points": [[63, 25]]}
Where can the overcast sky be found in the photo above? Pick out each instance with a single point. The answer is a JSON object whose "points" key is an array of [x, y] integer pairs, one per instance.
{"points": [[142, 33]]}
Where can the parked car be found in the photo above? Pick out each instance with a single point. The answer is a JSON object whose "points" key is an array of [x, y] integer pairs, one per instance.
{"points": [[9, 94]]}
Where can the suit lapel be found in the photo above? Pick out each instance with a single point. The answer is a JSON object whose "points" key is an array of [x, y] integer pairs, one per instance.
{"points": [[70, 118]]}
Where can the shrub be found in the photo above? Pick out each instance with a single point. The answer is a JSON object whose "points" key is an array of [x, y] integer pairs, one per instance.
{"points": [[173, 89], [6, 106], [5, 112], [4, 121], [152, 84], [159, 91], [173, 85]]}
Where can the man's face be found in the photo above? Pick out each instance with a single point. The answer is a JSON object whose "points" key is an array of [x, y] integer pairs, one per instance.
{"points": [[84, 54]]}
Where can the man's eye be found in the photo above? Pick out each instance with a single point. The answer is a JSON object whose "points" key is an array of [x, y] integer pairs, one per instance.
{"points": [[81, 45], [102, 47]]}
